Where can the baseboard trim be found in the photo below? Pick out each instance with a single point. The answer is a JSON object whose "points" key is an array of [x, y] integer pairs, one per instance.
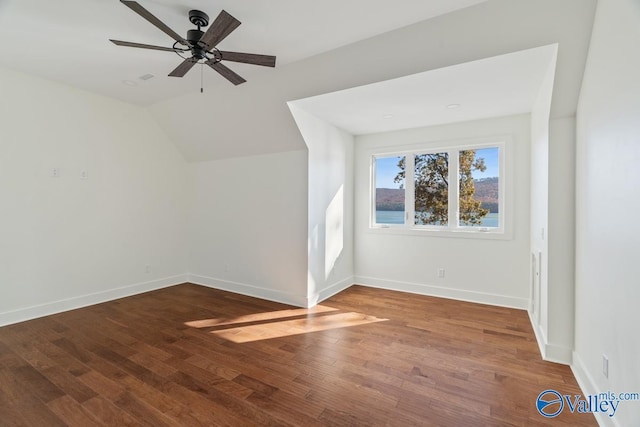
{"points": [[47, 309], [559, 354], [250, 290], [330, 291], [550, 352], [436, 291], [539, 334], [588, 386]]}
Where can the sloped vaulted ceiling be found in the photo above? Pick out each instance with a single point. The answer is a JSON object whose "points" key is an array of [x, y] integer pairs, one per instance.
{"points": [[68, 40], [254, 119]]}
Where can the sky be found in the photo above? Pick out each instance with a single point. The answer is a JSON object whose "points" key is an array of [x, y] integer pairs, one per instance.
{"points": [[386, 170], [491, 161], [387, 167]]}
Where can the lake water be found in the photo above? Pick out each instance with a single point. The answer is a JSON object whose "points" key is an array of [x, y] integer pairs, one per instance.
{"points": [[397, 217]]}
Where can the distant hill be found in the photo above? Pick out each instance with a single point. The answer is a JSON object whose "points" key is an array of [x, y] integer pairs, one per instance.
{"points": [[392, 199], [487, 191], [389, 199]]}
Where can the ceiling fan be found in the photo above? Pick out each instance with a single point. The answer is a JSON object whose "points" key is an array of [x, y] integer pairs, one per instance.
{"points": [[200, 45]]}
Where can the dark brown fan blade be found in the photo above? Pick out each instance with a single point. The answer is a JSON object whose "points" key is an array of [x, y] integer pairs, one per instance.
{"points": [[183, 68], [221, 28], [140, 45], [249, 58], [226, 73], [137, 8]]}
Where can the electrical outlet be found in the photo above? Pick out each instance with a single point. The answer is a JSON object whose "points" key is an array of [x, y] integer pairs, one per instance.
{"points": [[84, 175], [147, 269], [441, 273], [605, 366], [55, 172], [226, 267]]}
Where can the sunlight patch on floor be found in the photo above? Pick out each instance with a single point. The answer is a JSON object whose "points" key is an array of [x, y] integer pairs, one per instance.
{"points": [[276, 324], [257, 317], [285, 328]]}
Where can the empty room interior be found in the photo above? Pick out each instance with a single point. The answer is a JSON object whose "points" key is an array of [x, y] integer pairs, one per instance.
{"points": [[335, 214]]}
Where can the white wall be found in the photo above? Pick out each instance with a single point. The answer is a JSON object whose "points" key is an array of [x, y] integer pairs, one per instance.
{"points": [[483, 270], [330, 205], [552, 192], [552, 213], [248, 225], [67, 242], [540, 203], [560, 238], [607, 204]]}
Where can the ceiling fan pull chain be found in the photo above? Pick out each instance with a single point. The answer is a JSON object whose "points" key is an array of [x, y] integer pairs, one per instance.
{"points": [[201, 78]]}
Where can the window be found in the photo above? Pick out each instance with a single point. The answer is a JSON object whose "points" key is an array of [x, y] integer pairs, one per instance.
{"points": [[389, 194], [453, 189], [431, 188]]}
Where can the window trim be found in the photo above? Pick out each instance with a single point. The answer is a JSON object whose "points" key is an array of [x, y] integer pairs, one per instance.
{"points": [[453, 229]]}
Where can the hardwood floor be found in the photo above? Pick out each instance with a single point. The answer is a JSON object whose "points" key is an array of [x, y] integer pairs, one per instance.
{"points": [[189, 355]]}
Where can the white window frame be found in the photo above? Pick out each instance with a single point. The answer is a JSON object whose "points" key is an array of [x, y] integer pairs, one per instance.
{"points": [[452, 229]]}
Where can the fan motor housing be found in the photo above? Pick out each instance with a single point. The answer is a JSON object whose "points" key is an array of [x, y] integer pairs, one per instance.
{"points": [[198, 50], [194, 36]]}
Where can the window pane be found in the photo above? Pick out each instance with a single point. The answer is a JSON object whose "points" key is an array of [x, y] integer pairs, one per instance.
{"points": [[431, 189], [390, 190], [479, 190]]}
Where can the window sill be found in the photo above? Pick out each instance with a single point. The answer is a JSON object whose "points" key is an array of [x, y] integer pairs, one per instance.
{"points": [[491, 234]]}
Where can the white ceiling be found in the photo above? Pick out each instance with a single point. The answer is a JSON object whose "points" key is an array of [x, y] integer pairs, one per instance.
{"points": [[492, 87], [67, 40], [253, 118]]}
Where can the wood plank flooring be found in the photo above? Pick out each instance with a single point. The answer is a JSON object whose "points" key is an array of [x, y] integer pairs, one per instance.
{"points": [[194, 356]]}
